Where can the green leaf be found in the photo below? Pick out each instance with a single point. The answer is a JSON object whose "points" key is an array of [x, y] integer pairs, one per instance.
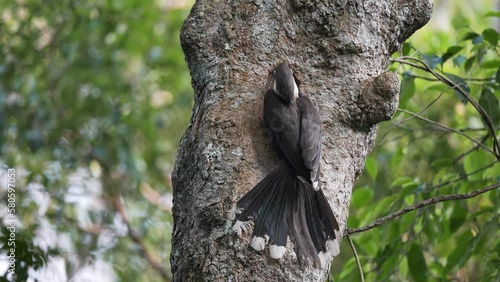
{"points": [[371, 167], [361, 197], [474, 161], [469, 36], [459, 253], [406, 48], [401, 180], [397, 158], [497, 76], [493, 64], [482, 240], [462, 85], [491, 36], [432, 228], [408, 188], [353, 221], [407, 90], [410, 199], [493, 14], [437, 87], [452, 51], [386, 262], [393, 233], [431, 60], [480, 53], [385, 204], [436, 268], [442, 163], [477, 40], [490, 104], [497, 249], [348, 271], [457, 217], [416, 263], [459, 21], [469, 62], [459, 60], [403, 267]]}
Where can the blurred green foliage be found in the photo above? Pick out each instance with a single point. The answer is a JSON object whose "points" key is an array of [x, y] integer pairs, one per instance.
{"points": [[416, 158], [94, 89]]}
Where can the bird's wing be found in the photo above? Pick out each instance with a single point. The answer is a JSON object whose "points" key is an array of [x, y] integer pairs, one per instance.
{"points": [[310, 136], [283, 121]]}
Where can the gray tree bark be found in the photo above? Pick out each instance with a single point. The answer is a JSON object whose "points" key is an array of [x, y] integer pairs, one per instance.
{"points": [[338, 49]]}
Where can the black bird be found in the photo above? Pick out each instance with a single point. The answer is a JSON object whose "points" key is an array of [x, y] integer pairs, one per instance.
{"points": [[289, 200]]}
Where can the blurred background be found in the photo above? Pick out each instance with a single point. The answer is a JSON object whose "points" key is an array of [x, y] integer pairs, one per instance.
{"points": [[95, 95]]}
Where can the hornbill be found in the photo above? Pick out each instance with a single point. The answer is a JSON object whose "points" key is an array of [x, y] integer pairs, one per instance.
{"points": [[289, 200]]}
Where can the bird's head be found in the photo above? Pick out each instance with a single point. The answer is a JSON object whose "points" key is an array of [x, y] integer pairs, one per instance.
{"points": [[284, 83]]}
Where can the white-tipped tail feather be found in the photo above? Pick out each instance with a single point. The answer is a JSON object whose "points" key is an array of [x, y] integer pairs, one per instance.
{"points": [[277, 252], [258, 243], [241, 227], [332, 250], [336, 246], [332, 246], [285, 204]]}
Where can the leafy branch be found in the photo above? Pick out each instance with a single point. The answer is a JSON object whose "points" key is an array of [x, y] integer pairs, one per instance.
{"points": [[462, 177], [413, 143], [407, 119], [451, 130], [436, 79], [459, 157], [430, 201], [460, 89]]}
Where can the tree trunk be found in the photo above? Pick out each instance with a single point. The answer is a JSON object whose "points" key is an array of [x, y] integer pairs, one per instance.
{"points": [[338, 50]]}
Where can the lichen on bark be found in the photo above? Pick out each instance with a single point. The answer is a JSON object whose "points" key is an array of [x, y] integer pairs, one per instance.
{"points": [[339, 51]]}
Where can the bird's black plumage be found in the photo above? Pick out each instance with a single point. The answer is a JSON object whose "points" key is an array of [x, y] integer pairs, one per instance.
{"points": [[289, 201]]}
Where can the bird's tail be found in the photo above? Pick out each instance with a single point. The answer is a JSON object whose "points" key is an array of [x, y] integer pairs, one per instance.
{"points": [[281, 205]]}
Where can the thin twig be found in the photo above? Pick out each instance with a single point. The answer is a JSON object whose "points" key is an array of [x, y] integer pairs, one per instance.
{"points": [[421, 112], [448, 129], [461, 177], [422, 204], [137, 239], [459, 157], [486, 118], [356, 258], [407, 119], [472, 129], [435, 79]]}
